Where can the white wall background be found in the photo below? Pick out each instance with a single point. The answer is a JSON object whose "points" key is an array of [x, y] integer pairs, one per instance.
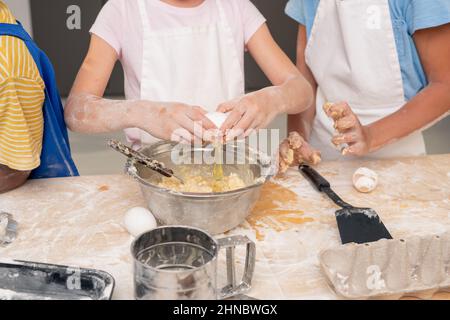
{"points": [[22, 12]]}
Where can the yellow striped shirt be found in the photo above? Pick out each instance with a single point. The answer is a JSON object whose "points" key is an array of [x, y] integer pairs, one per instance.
{"points": [[21, 100]]}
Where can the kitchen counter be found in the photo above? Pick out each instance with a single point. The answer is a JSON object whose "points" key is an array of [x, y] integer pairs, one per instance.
{"points": [[78, 221]]}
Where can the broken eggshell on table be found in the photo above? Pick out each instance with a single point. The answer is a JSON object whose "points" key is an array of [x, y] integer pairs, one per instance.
{"points": [[8, 228], [365, 180], [416, 267]]}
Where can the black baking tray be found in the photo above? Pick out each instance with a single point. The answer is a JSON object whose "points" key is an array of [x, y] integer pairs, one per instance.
{"points": [[23, 280]]}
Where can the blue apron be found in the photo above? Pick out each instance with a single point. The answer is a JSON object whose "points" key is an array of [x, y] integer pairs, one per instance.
{"points": [[56, 160]]}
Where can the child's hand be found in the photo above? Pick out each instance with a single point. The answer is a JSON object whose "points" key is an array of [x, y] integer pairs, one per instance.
{"points": [[351, 132], [295, 150], [249, 113], [177, 122]]}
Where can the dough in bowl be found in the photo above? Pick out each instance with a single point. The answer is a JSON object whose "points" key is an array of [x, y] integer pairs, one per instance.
{"points": [[201, 184], [202, 181]]}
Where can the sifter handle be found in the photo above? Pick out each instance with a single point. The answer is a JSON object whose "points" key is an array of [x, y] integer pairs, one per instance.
{"points": [[229, 244]]}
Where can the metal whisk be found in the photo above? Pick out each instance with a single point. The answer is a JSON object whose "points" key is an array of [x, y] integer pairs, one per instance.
{"points": [[143, 159]]}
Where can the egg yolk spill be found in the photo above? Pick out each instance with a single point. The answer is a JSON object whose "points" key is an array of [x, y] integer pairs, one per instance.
{"points": [[218, 155], [270, 211]]}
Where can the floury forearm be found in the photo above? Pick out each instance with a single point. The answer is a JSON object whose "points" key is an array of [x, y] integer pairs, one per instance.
{"points": [[292, 97], [88, 113], [91, 114]]}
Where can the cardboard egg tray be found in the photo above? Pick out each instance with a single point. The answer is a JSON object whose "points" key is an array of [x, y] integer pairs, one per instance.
{"points": [[389, 269]]}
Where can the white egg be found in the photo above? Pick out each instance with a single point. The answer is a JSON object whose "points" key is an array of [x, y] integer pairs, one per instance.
{"points": [[217, 118], [139, 220], [365, 180]]}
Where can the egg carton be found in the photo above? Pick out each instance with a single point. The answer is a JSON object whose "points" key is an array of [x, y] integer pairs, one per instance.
{"points": [[389, 269]]}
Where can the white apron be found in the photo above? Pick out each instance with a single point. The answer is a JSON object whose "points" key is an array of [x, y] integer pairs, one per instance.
{"points": [[352, 54], [198, 66]]}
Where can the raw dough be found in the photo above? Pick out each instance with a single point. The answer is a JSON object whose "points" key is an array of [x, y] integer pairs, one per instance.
{"points": [[365, 180], [139, 220], [203, 184], [295, 150], [335, 113]]}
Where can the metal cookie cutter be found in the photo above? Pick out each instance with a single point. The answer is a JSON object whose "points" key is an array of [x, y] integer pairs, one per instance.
{"points": [[8, 229]]}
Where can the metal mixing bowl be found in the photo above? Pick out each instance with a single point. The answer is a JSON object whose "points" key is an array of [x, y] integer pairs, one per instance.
{"points": [[213, 212]]}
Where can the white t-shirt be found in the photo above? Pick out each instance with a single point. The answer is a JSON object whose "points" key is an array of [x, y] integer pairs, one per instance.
{"points": [[119, 24]]}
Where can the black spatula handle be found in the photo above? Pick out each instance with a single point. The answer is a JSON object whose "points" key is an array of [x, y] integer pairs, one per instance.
{"points": [[317, 180], [321, 184]]}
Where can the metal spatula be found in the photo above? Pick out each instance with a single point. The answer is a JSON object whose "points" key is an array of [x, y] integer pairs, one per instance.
{"points": [[359, 225]]}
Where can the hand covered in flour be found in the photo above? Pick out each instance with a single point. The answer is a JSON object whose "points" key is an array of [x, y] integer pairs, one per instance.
{"points": [[179, 122], [249, 113], [295, 150], [351, 133]]}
